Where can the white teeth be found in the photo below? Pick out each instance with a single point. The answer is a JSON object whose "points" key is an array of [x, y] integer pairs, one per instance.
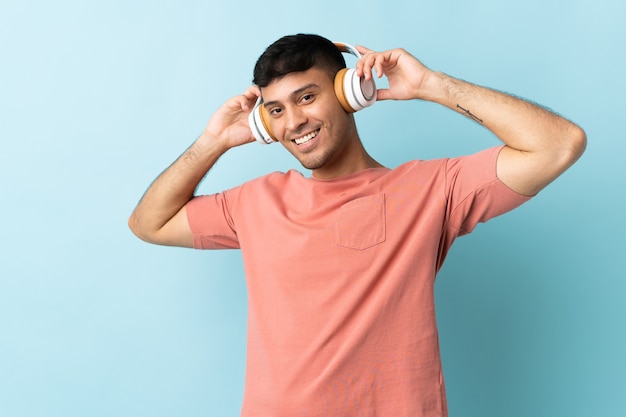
{"points": [[306, 138]]}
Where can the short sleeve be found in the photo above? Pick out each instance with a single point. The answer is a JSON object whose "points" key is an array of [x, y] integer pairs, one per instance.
{"points": [[475, 194], [211, 223]]}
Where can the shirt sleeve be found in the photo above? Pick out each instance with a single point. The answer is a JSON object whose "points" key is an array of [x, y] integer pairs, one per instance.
{"points": [[474, 192], [211, 222]]}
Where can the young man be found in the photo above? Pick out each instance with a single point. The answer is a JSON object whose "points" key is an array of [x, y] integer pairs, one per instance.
{"points": [[340, 266]]}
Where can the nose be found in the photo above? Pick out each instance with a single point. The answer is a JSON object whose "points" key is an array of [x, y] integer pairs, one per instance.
{"points": [[296, 119]]}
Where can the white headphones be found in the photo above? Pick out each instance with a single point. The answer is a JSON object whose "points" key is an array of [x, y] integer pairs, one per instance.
{"points": [[354, 93]]}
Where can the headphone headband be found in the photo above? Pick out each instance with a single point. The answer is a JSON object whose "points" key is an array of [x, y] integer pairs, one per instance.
{"points": [[348, 49]]}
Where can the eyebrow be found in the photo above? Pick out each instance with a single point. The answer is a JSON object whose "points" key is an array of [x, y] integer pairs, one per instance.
{"points": [[293, 93]]}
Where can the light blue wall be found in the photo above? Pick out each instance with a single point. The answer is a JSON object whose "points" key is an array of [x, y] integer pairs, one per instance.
{"points": [[97, 97]]}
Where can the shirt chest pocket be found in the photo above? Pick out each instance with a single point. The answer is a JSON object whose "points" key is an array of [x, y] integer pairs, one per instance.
{"points": [[360, 223]]}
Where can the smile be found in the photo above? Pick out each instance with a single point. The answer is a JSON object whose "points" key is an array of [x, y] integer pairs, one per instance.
{"points": [[304, 139]]}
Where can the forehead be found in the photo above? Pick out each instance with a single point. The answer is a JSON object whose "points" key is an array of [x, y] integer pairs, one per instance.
{"points": [[285, 87]]}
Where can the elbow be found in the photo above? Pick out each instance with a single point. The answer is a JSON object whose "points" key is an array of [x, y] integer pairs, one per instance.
{"points": [[577, 143], [571, 147], [174, 232], [149, 233], [134, 224]]}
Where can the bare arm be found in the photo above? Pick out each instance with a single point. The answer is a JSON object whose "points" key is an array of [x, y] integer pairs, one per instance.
{"points": [[540, 145], [160, 217]]}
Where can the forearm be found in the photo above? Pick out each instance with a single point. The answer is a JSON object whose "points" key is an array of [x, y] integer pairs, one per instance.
{"points": [[518, 123], [173, 189]]}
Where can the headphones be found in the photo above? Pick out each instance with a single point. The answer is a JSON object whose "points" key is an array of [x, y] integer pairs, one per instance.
{"points": [[354, 93]]}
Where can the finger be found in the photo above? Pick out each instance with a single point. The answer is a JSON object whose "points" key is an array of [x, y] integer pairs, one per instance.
{"points": [[379, 65], [383, 94], [363, 50], [250, 94], [249, 97], [253, 91], [370, 63], [365, 65]]}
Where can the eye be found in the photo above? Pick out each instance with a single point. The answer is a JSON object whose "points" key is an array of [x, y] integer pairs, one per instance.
{"points": [[275, 111], [307, 98]]}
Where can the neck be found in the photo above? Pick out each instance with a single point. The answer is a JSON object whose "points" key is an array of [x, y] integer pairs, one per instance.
{"points": [[358, 160]]}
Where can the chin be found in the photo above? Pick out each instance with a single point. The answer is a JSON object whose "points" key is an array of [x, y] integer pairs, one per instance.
{"points": [[311, 166], [314, 163]]}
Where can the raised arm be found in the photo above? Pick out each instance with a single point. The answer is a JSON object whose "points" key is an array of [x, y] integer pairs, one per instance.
{"points": [[540, 145], [160, 217]]}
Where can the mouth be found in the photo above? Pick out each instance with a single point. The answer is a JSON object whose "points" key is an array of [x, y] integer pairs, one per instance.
{"points": [[306, 138]]}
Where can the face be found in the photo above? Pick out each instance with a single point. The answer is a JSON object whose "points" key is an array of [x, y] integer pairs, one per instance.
{"points": [[306, 117]]}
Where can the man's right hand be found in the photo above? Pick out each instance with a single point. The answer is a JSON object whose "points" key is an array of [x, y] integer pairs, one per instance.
{"points": [[229, 124]]}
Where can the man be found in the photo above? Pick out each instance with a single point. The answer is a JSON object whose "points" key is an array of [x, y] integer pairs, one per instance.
{"points": [[340, 266]]}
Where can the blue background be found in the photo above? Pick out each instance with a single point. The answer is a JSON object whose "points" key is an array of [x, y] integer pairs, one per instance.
{"points": [[98, 97]]}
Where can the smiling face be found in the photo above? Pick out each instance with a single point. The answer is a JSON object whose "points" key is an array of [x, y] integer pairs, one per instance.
{"points": [[307, 118]]}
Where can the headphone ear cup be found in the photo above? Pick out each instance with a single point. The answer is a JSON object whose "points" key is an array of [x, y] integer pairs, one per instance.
{"points": [[353, 92], [259, 122], [340, 90]]}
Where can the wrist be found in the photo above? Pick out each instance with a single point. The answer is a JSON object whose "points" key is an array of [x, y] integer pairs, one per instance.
{"points": [[436, 87], [204, 152], [210, 144]]}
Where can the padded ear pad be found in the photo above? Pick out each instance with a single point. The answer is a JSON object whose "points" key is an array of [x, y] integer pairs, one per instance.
{"points": [[259, 122], [353, 92]]}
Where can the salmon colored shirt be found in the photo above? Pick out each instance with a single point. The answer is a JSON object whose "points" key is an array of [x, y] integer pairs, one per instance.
{"points": [[340, 276]]}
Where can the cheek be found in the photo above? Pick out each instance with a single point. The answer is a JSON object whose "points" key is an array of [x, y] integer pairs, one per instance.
{"points": [[277, 129]]}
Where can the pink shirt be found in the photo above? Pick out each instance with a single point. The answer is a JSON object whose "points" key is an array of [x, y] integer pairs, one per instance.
{"points": [[340, 276]]}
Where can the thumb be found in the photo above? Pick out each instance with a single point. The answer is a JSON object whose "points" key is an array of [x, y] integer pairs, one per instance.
{"points": [[383, 94]]}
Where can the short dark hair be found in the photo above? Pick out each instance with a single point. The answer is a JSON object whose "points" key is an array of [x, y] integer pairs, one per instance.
{"points": [[296, 53]]}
